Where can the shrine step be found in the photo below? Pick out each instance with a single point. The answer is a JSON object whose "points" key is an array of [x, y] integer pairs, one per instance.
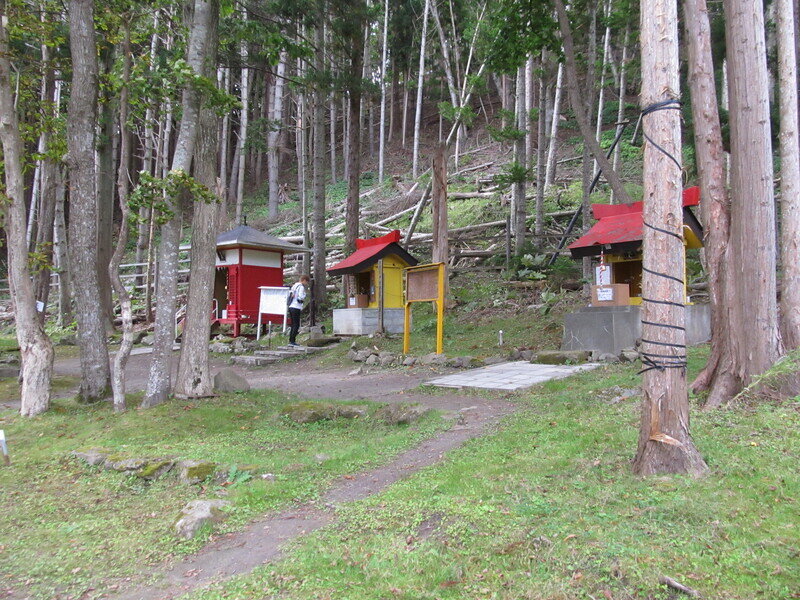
{"points": [[300, 349], [254, 361], [276, 353]]}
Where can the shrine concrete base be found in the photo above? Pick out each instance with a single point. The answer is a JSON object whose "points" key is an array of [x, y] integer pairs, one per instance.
{"points": [[614, 328], [364, 321]]}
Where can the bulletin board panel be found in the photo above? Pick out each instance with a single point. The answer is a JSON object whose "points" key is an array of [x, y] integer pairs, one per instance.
{"points": [[424, 283], [272, 301]]}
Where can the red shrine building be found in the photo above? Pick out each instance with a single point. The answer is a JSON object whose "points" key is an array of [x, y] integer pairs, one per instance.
{"points": [[246, 260]]}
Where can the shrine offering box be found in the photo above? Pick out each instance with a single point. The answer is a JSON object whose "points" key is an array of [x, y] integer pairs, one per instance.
{"points": [[358, 301], [615, 294]]}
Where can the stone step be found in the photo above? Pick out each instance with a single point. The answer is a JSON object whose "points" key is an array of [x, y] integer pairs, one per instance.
{"points": [[300, 349], [254, 361], [275, 353]]}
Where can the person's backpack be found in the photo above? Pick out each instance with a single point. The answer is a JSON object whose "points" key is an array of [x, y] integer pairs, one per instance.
{"points": [[290, 297]]}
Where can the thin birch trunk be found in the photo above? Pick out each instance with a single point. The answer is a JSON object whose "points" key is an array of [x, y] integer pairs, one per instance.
{"points": [[60, 254], [36, 350], [420, 80], [623, 70], [382, 142], [148, 165], [354, 143], [223, 141], [550, 173], [273, 162], [123, 187], [540, 156], [243, 122], [520, 208]]}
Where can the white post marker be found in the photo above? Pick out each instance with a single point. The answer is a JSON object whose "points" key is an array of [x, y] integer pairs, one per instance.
{"points": [[4, 447]]}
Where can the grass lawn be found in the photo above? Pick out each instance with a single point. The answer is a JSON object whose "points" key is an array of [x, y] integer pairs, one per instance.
{"points": [[67, 528], [547, 508]]}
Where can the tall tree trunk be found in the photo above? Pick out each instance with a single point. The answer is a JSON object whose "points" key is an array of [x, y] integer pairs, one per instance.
{"points": [[123, 179], [420, 80], [320, 277], [790, 176], [550, 173], [665, 445], [520, 202], [273, 162], [243, 123], [36, 351], [105, 193], [194, 373], [60, 254], [718, 374], [623, 69], [158, 384], [354, 141], [755, 315], [149, 143], [540, 155], [382, 133], [47, 195], [81, 122], [574, 91]]}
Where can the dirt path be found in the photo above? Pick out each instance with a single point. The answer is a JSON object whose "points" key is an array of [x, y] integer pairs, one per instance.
{"points": [[262, 541]]}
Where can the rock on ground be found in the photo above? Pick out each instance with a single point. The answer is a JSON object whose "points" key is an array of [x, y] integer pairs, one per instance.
{"points": [[432, 359], [402, 414], [196, 514], [349, 411], [93, 456], [309, 412], [195, 471], [561, 357], [228, 380]]}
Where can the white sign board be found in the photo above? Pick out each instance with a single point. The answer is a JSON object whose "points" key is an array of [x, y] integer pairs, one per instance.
{"points": [[272, 301], [605, 294]]}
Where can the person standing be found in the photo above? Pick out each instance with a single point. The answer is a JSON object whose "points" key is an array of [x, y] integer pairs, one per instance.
{"points": [[298, 298]]}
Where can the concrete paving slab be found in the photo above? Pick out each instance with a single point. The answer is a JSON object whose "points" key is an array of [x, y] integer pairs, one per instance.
{"points": [[509, 375]]}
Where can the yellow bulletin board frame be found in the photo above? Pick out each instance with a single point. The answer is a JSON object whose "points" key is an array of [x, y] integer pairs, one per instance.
{"points": [[414, 280]]}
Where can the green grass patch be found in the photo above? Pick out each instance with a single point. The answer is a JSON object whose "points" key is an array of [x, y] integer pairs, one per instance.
{"points": [[68, 527], [547, 508], [61, 384]]}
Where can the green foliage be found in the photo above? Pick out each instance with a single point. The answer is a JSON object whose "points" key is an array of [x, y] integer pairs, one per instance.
{"points": [[513, 173], [160, 193], [517, 29], [466, 114]]}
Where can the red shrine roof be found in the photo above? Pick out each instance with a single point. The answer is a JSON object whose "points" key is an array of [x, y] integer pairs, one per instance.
{"points": [[368, 252], [619, 227]]}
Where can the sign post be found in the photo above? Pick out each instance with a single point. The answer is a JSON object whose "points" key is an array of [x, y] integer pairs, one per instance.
{"points": [[424, 283]]}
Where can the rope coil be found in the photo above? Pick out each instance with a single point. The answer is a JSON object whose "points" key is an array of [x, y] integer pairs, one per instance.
{"points": [[651, 360]]}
